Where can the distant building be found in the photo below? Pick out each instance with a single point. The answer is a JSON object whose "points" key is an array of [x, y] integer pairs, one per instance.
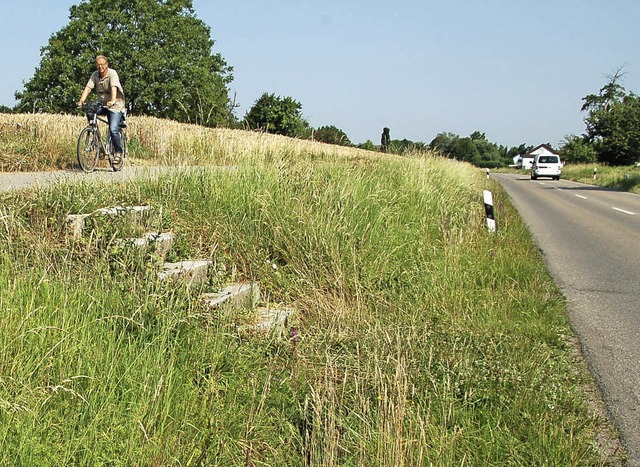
{"points": [[525, 159]]}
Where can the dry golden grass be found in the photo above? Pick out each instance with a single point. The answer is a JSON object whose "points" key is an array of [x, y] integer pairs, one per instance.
{"points": [[31, 142]]}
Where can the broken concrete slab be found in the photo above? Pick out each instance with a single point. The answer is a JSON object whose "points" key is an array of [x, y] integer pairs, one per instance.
{"points": [[193, 273], [75, 222], [162, 242], [237, 294], [271, 320]]}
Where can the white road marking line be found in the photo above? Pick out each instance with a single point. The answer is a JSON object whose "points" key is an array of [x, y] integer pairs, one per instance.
{"points": [[622, 210], [582, 197]]}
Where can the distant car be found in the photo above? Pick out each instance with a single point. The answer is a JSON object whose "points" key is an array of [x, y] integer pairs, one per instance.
{"points": [[546, 166]]}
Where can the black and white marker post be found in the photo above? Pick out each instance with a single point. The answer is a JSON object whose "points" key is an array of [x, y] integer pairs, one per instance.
{"points": [[488, 207]]}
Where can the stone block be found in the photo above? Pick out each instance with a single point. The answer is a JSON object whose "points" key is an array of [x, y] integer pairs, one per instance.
{"points": [[193, 273], [272, 321], [234, 295], [75, 224], [162, 242]]}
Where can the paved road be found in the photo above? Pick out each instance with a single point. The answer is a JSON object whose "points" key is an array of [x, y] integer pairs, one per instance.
{"points": [[18, 180], [590, 238]]}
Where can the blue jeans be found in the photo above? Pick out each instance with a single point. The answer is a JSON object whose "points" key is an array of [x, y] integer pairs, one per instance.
{"points": [[114, 117]]}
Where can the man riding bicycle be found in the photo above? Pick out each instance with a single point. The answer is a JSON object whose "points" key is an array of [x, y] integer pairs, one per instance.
{"points": [[107, 85]]}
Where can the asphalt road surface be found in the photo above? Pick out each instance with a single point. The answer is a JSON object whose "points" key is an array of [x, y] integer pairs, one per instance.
{"points": [[590, 238]]}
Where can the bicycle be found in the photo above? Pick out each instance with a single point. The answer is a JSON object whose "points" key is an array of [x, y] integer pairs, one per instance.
{"points": [[91, 147]]}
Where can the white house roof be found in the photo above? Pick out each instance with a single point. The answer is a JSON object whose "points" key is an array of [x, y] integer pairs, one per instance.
{"points": [[541, 149]]}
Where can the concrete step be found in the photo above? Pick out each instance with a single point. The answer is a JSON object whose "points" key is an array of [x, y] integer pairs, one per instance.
{"points": [[273, 321], [235, 295], [75, 222], [162, 242], [193, 273]]}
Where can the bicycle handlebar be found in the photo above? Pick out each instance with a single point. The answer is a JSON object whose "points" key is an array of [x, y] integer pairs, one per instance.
{"points": [[93, 108]]}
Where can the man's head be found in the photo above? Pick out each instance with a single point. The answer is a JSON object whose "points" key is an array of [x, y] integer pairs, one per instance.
{"points": [[102, 64]]}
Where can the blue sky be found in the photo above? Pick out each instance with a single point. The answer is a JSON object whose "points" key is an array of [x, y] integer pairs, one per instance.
{"points": [[513, 69]]}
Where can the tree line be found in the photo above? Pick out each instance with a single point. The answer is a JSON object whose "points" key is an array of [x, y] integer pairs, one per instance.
{"points": [[164, 56], [612, 134]]}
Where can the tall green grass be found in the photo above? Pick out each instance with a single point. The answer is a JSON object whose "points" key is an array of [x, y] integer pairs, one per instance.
{"points": [[422, 339], [625, 178]]}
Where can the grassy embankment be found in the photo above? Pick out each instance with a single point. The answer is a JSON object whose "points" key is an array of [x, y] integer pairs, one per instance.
{"points": [[625, 178], [423, 339]]}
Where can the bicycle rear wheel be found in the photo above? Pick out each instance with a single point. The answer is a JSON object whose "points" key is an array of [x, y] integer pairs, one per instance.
{"points": [[88, 149]]}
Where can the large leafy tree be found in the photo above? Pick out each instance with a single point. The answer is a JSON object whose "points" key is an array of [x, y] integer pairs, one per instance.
{"points": [[613, 123], [161, 50], [279, 115]]}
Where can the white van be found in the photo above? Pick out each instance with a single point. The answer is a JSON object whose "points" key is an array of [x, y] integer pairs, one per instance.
{"points": [[546, 165]]}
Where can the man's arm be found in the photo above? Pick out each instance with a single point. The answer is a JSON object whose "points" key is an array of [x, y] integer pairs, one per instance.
{"points": [[85, 94], [114, 94]]}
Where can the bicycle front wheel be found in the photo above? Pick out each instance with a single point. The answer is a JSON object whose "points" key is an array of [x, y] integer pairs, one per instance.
{"points": [[88, 149]]}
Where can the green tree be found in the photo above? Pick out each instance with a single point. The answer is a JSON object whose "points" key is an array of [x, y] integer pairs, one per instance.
{"points": [[515, 151], [477, 136], [279, 115], [476, 149], [161, 50], [443, 143], [367, 145], [577, 150], [464, 149], [508, 154], [332, 135], [613, 123], [489, 154], [406, 146]]}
